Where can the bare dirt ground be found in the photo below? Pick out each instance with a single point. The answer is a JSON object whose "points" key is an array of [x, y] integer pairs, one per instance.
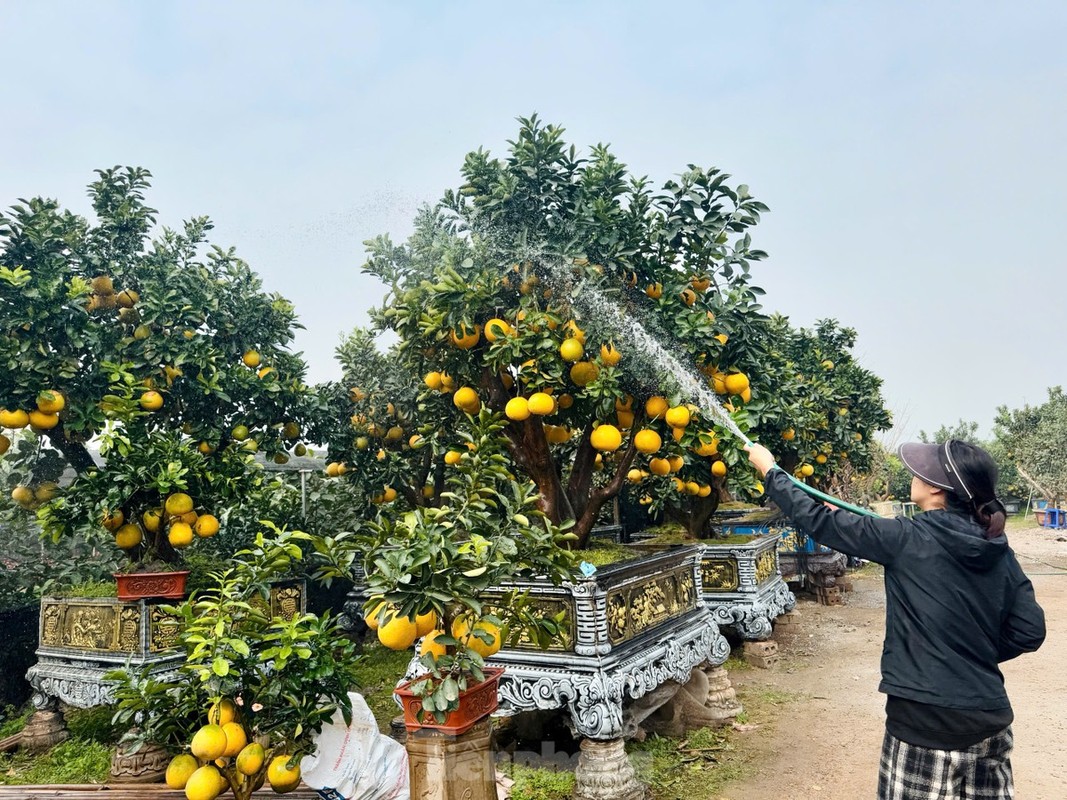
{"points": [[825, 738]]}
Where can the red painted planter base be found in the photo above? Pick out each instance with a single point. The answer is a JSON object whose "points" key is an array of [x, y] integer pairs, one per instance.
{"points": [[475, 704]]}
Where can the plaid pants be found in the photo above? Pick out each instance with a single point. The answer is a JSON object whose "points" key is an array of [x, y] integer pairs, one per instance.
{"points": [[981, 772]]}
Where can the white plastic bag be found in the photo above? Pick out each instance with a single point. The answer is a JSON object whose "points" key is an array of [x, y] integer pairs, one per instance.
{"points": [[357, 761]]}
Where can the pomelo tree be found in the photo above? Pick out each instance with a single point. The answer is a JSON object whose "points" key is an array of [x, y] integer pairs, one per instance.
{"points": [[597, 314], [1034, 438], [165, 351]]}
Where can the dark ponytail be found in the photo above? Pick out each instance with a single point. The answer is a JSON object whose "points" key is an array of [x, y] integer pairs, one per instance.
{"points": [[976, 468]]}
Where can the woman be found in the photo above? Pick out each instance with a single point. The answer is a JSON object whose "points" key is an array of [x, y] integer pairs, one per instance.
{"points": [[957, 604]]}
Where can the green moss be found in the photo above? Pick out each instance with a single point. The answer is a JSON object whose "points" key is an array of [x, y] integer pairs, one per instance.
{"points": [[605, 554], [87, 589], [73, 761], [379, 672], [533, 783], [695, 768]]}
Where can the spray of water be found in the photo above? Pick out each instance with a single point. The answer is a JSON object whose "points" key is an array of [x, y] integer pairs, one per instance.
{"points": [[647, 347]]}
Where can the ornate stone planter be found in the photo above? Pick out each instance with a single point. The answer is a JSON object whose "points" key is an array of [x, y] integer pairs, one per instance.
{"points": [[630, 628], [743, 585], [82, 639]]}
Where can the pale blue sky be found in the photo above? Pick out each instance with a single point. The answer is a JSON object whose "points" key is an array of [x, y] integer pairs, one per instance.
{"points": [[912, 153]]}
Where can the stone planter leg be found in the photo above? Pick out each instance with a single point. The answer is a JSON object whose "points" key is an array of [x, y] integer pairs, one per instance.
{"points": [[722, 699], [605, 773], [46, 728], [445, 767]]}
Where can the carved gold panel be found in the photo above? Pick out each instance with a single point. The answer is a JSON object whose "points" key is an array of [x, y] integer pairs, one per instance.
{"points": [[543, 608], [92, 627], [719, 574], [163, 630], [638, 607], [764, 566]]}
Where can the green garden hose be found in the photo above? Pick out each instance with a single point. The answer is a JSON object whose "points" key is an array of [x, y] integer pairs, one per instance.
{"points": [[834, 501]]}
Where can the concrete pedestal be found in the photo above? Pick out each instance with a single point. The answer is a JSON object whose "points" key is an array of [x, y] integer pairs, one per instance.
{"points": [[605, 773], [444, 767]]}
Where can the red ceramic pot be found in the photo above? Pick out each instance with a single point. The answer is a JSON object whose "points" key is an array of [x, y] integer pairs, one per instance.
{"points": [[145, 585], [475, 704]]}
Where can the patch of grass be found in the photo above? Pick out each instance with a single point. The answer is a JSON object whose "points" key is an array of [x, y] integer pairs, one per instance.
{"points": [[736, 663], [869, 569], [695, 768], [73, 761], [13, 720], [538, 783], [379, 672], [93, 724]]}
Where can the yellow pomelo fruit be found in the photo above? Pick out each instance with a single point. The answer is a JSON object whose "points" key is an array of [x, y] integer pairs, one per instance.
{"points": [[5, 443], [209, 742], [128, 536], [204, 784], [676, 462], [496, 329], [466, 399], [465, 339], [223, 712], [707, 448], [152, 519], [647, 441], [206, 526], [705, 490], [16, 418], [113, 519], [452, 457], [718, 469], [807, 470], [239, 433], [50, 401], [635, 475], [250, 759], [736, 382], [692, 487], [236, 739], [518, 409], [424, 623], [659, 466], [571, 350], [23, 495], [179, 770], [654, 290], [678, 417], [398, 633], [606, 438], [625, 418], [432, 380], [656, 407], [180, 534], [282, 778], [820, 459], [625, 403], [45, 492], [789, 434], [609, 355], [584, 372], [151, 400], [251, 359], [541, 404], [430, 646], [177, 504], [461, 628], [42, 421], [374, 617]]}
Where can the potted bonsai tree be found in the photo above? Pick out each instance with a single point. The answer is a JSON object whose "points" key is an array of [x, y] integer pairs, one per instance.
{"points": [[428, 571], [254, 688], [160, 347]]}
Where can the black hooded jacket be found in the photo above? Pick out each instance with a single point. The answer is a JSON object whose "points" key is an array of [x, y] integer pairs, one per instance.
{"points": [[957, 604]]}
